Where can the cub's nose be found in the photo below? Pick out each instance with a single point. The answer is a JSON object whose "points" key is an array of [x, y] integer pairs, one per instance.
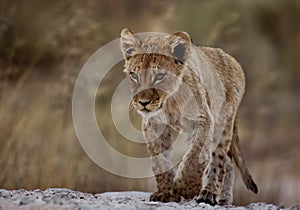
{"points": [[144, 102]]}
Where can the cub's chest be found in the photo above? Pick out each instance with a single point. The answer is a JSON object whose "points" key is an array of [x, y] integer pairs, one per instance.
{"points": [[179, 123], [183, 125], [183, 119]]}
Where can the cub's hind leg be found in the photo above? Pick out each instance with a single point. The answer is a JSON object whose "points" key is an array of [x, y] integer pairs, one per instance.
{"points": [[226, 196]]}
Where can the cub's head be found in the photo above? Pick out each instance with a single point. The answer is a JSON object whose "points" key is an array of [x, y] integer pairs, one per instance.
{"points": [[154, 66]]}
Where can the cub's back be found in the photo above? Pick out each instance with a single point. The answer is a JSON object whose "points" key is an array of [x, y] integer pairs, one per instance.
{"points": [[229, 71]]}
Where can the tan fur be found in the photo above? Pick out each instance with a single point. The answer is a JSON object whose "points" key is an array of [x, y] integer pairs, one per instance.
{"points": [[195, 90]]}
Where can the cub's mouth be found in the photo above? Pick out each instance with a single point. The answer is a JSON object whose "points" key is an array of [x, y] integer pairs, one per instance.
{"points": [[146, 106], [148, 101], [145, 110]]}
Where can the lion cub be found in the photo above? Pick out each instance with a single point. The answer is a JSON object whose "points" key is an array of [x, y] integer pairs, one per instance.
{"points": [[195, 90]]}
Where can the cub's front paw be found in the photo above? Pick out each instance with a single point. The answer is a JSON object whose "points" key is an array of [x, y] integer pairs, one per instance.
{"points": [[165, 196], [207, 197]]}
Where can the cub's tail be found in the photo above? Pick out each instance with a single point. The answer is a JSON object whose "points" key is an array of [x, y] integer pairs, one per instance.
{"points": [[240, 161]]}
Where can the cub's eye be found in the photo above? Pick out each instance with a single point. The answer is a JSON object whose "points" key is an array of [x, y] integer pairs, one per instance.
{"points": [[159, 77], [134, 76]]}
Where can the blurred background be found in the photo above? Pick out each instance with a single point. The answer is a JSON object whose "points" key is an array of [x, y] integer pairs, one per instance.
{"points": [[44, 44]]}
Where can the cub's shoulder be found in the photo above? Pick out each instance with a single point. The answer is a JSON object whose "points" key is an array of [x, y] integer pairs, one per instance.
{"points": [[214, 53]]}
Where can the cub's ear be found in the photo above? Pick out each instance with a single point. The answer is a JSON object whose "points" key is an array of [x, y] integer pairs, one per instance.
{"points": [[129, 43], [180, 45]]}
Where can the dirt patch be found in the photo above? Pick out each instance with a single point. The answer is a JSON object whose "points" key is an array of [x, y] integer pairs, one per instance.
{"points": [[57, 198]]}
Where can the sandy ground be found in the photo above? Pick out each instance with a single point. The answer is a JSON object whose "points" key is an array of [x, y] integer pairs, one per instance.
{"points": [[57, 198]]}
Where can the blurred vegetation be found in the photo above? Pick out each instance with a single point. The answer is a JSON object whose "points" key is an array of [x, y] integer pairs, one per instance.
{"points": [[44, 44]]}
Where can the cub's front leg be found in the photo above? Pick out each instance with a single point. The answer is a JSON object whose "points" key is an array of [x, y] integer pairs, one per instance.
{"points": [[159, 144], [215, 172], [188, 179]]}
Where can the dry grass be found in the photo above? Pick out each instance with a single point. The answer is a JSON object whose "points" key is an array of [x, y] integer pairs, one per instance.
{"points": [[38, 146]]}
